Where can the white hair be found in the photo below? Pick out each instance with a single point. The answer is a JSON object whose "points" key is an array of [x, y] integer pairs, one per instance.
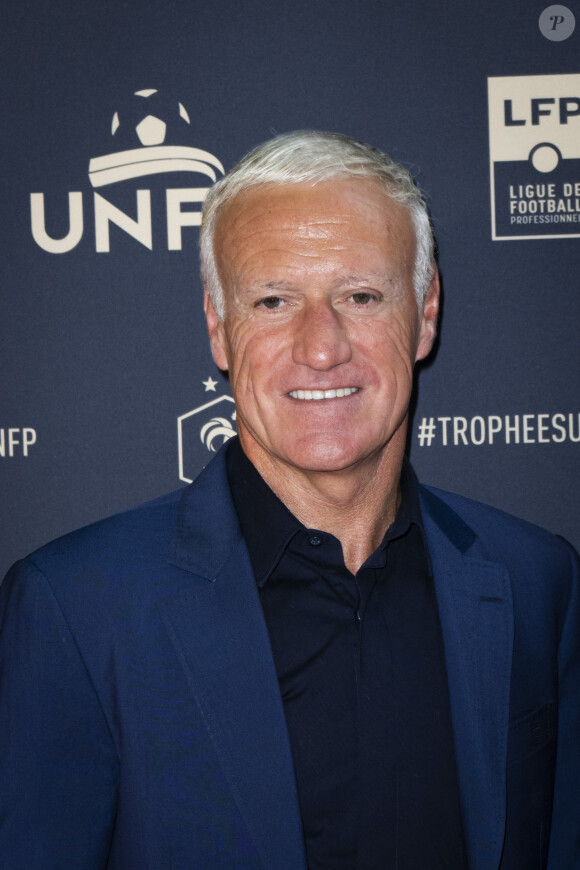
{"points": [[309, 156]]}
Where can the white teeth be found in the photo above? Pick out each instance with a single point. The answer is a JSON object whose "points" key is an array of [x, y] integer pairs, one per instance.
{"points": [[317, 395]]}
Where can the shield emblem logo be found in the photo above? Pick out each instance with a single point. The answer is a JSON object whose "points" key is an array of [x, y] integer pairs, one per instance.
{"points": [[210, 425]]}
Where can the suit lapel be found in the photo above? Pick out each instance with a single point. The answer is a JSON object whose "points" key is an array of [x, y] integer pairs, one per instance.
{"points": [[216, 623], [476, 613]]}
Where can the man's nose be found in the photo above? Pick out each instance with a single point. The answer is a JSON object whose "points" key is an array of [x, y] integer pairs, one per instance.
{"points": [[321, 340]]}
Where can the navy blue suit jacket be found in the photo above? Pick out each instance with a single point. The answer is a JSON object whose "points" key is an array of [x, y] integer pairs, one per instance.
{"points": [[141, 724]]}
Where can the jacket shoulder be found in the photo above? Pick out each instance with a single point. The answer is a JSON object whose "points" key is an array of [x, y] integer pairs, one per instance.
{"points": [[115, 557], [502, 535], [137, 546], [137, 529]]}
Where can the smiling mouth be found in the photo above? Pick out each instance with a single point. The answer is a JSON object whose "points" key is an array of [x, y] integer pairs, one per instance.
{"points": [[318, 395]]}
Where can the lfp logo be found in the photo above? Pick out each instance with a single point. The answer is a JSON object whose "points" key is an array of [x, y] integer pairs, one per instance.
{"points": [[534, 147], [149, 127]]}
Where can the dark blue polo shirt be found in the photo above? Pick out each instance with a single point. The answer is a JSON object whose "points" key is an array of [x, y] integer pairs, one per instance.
{"points": [[361, 669]]}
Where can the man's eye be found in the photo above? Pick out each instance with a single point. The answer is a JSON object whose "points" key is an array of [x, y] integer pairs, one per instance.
{"points": [[270, 302], [363, 298]]}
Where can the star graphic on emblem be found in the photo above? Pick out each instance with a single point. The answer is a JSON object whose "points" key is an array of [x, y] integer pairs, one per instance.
{"points": [[210, 385]]}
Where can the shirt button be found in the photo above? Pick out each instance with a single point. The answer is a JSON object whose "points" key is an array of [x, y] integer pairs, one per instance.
{"points": [[315, 541]]}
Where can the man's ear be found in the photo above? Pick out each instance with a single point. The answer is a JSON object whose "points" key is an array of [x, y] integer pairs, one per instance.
{"points": [[428, 318], [217, 336]]}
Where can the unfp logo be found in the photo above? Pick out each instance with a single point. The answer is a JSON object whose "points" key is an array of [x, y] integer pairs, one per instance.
{"points": [[534, 146], [143, 140]]}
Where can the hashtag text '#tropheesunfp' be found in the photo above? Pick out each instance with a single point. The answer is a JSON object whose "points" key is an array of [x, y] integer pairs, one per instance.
{"points": [[495, 429]]}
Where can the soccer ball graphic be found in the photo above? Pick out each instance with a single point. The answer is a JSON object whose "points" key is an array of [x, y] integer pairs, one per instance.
{"points": [[152, 136], [149, 117]]}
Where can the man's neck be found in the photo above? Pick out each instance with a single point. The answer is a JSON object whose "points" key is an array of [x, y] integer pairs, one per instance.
{"points": [[356, 505]]}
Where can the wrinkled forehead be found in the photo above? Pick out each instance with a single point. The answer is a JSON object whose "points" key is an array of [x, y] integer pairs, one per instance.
{"points": [[339, 189], [340, 212]]}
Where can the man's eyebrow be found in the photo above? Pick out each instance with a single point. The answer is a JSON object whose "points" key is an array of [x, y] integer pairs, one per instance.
{"points": [[355, 279], [274, 286], [267, 287]]}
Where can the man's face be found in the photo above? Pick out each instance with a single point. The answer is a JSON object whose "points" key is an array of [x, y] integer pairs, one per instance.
{"points": [[321, 330]]}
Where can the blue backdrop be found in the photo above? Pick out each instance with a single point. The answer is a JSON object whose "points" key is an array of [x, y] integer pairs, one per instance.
{"points": [[116, 119]]}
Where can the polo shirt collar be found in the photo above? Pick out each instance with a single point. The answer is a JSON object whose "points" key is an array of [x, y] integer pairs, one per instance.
{"points": [[268, 526]]}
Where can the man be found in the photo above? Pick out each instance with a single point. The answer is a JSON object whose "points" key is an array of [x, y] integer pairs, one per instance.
{"points": [[304, 659]]}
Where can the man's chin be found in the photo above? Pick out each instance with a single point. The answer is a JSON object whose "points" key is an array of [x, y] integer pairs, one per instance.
{"points": [[315, 451], [327, 456]]}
